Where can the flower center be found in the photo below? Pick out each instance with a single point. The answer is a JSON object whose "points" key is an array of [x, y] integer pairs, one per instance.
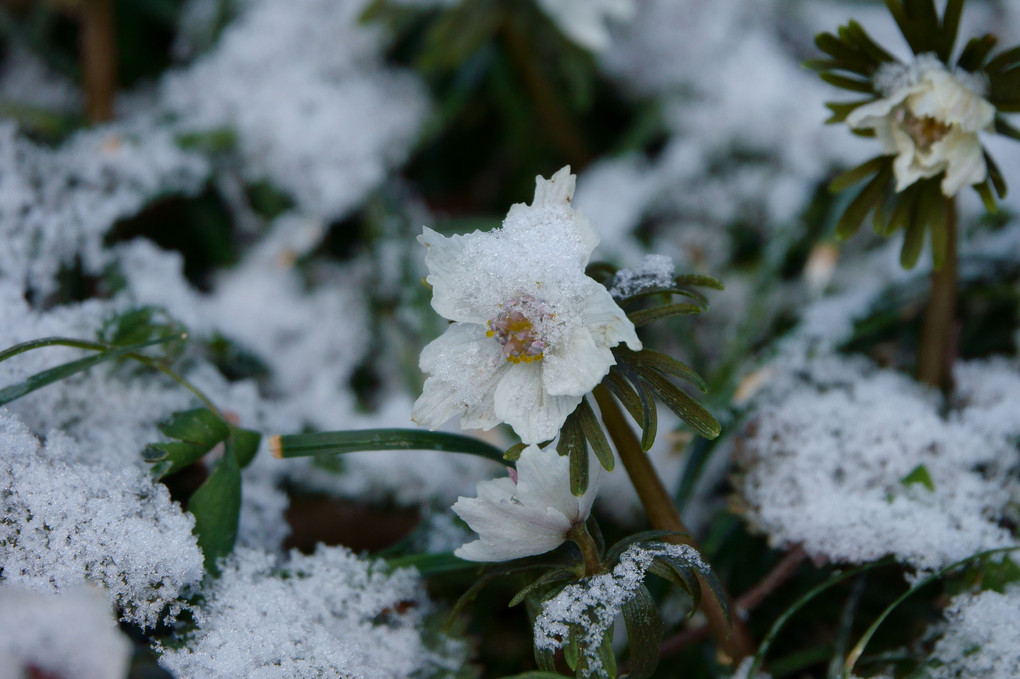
{"points": [[520, 327], [924, 130]]}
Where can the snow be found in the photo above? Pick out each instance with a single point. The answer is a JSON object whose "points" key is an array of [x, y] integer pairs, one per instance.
{"points": [[70, 634], [978, 637], [323, 614]]}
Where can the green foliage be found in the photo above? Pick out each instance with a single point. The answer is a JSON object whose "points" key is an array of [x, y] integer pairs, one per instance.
{"points": [[919, 475], [340, 442]]}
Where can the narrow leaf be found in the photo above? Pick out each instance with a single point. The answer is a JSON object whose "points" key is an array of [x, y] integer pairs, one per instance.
{"points": [[432, 564], [848, 83], [912, 243], [651, 292], [199, 427], [699, 280], [592, 430], [340, 442], [646, 316], [624, 393], [216, 506], [864, 43], [950, 28], [649, 415], [644, 632], [841, 109], [857, 174], [549, 579], [63, 371], [669, 365], [863, 203], [572, 445], [1003, 127], [995, 174], [680, 574], [1004, 60], [618, 548], [513, 453], [973, 56], [685, 407]]}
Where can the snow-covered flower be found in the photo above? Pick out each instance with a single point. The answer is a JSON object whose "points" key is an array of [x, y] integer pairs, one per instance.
{"points": [[584, 21], [929, 118], [532, 334], [530, 512]]}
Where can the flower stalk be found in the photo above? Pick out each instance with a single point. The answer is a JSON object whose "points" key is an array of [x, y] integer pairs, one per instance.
{"points": [[99, 59], [580, 536], [732, 637], [936, 349]]}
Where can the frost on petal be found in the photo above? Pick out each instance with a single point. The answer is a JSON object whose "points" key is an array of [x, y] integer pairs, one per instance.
{"points": [[577, 365], [522, 402], [464, 367]]}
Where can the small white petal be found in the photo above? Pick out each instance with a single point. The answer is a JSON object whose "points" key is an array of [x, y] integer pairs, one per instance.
{"points": [[576, 365], [967, 165], [454, 287], [521, 402], [606, 320]]}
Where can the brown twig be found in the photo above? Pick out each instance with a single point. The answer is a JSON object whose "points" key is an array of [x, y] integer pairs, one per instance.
{"points": [[99, 58], [732, 636]]}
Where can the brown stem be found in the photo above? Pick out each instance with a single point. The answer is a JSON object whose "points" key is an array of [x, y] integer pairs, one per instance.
{"points": [[733, 640], [937, 346], [99, 58], [561, 129]]}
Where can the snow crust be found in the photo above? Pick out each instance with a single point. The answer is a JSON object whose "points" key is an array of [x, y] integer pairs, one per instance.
{"points": [[979, 637]]}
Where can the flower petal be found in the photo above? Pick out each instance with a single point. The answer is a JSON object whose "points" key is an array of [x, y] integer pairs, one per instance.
{"points": [[576, 364], [453, 264], [464, 368], [966, 160], [605, 319], [521, 402], [543, 479]]}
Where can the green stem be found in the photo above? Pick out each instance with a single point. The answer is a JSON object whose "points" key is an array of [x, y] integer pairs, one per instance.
{"points": [[937, 350], [580, 536], [100, 346], [733, 639]]}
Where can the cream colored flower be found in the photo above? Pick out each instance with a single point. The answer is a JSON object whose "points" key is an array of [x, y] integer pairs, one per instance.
{"points": [[532, 333], [929, 119], [528, 513]]}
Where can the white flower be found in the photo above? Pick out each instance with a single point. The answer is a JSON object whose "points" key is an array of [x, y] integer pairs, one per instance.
{"points": [[530, 512], [584, 21], [929, 119], [532, 333]]}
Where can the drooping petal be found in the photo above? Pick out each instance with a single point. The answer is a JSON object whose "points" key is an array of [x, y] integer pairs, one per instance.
{"points": [[522, 402], [464, 367], [966, 162], [607, 322], [452, 275], [543, 479], [576, 365]]}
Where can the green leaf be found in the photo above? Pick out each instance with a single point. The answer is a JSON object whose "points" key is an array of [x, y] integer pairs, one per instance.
{"points": [[139, 325], [1004, 60], [848, 83], [246, 444], [646, 316], [340, 442], [216, 506], [550, 579], [924, 20], [984, 190], [65, 370], [995, 175], [700, 280], [912, 244], [651, 292], [849, 58], [637, 400], [860, 38], [858, 649], [919, 474], [545, 658], [572, 445], [196, 432], [592, 430], [685, 407], [950, 28], [432, 564], [680, 574], [624, 393], [537, 675], [618, 548], [1003, 127], [808, 597], [644, 632], [513, 453], [667, 365], [841, 109], [973, 56], [649, 413], [857, 174], [863, 203]]}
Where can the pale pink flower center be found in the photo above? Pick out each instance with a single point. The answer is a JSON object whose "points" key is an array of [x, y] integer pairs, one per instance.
{"points": [[520, 328], [924, 130]]}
